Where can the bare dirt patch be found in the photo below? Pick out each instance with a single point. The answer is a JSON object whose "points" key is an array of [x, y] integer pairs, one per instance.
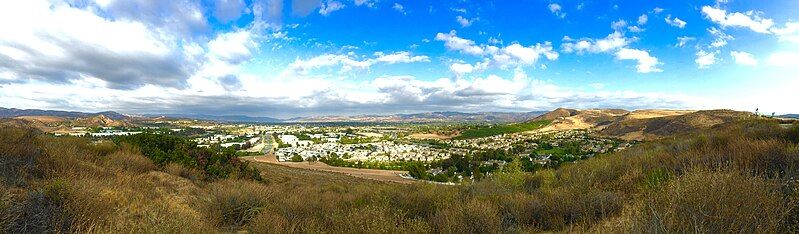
{"points": [[425, 136], [372, 174]]}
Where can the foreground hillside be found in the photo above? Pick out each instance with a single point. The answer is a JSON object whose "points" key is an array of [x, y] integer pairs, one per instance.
{"points": [[736, 177]]}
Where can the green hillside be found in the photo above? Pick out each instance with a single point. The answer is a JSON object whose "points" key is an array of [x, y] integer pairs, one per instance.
{"points": [[494, 130]]}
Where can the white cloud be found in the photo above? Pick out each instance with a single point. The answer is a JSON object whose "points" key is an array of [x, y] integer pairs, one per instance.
{"points": [[784, 59], [743, 58], [676, 22], [682, 41], [368, 3], [788, 33], [232, 47], [610, 43], [556, 9], [618, 25], [749, 19], [400, 57], [646, 63], [529, 55], [502, 57], [398, 7], [349, 62], [721, 38], [705, 59], [464, 22], [453, 42], [657, 10], [643, 19], [635, 29], [461, 68], [330, 6], [56, 42]]}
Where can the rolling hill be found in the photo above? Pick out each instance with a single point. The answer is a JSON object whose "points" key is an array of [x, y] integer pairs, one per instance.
{"points": [[639, 124]]}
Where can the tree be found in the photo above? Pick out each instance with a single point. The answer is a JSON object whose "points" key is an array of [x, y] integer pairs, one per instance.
{"points": [[296, 158], [418, 171]]}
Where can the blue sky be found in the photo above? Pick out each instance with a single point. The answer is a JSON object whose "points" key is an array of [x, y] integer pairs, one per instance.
{"points": [[336, 57]]}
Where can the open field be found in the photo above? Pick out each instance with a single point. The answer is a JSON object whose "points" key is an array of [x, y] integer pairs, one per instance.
{"points": [[371, 174], [487, 131], [426, 136]]}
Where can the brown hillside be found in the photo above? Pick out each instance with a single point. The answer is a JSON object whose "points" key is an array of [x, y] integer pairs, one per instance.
{"points": [[556, 114], [98, 120], [42, 118], [634, 128], [563, 119]]}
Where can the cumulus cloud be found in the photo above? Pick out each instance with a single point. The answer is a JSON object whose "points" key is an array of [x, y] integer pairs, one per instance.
{"points": [[184, 16], [676, 22], [743, 58], [453, 42], [787, 33], [56, 42], [233, 47], [349, 62], [399, 8], [704, 59], [368, 3], [610, 43], [400, 57], [646, 63], [750, 19], [616, 44], [557, 10], [618, 25], [509, 56], [330, 6], [464, 22], [643, 19]]}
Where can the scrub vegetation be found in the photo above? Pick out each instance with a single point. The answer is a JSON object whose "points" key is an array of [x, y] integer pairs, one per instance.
{"points": [[736, 177]]}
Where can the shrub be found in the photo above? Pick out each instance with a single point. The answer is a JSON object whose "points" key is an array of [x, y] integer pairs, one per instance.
{"points": [[235, 203], [129, 161], [18, 156], [474, 216], [712, 202]]}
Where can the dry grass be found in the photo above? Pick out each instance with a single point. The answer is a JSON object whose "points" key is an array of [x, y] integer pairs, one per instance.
{"points": [[738, 178]]}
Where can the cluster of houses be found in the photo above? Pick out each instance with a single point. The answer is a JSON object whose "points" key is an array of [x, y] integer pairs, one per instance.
{"points": [[377, 151]]}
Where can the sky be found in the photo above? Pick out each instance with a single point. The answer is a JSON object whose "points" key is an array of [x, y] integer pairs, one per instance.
{"points": [[292, 58]]}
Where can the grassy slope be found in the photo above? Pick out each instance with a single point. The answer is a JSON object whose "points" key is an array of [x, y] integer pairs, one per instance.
{"points": [[487, 131], [708, 182]]}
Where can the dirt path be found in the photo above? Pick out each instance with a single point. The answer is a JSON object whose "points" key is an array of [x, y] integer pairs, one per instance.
{"points": [[373, 174]]}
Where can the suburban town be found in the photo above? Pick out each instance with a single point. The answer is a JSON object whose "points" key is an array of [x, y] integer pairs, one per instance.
{"points": [[388, 147]]}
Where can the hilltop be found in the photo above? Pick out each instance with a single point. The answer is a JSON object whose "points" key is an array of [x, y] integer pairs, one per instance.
{"points": [[638, 124]]}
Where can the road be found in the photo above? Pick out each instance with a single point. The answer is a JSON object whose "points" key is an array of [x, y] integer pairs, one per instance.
{"points": [[372, 174]]}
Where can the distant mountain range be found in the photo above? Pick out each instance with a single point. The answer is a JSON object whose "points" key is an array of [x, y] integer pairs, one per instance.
{"points": [[493, 117], [792, 116], [429, 117], [13, 112]]}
